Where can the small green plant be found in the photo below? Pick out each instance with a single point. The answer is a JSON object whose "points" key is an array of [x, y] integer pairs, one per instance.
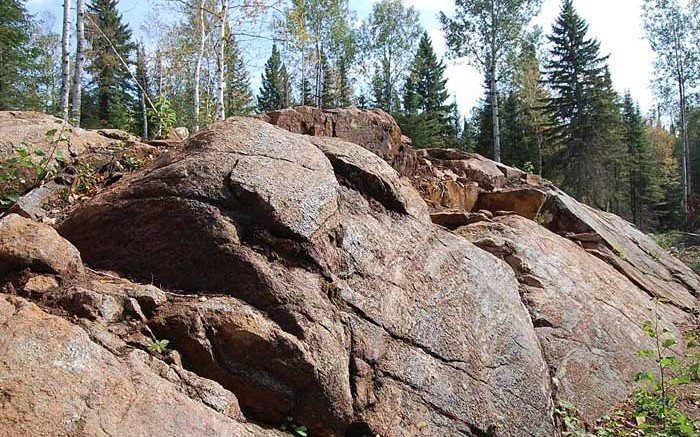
{"points": [[162, 117], [528, 167], [159, 346], [540, 220], [620, 252], [132, 163], [28, 168], [656, 255], [294, 428]]}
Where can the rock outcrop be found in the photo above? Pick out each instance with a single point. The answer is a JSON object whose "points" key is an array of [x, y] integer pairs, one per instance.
{"points": [[308, 285]]}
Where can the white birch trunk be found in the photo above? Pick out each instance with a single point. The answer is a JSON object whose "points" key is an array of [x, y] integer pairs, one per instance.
{"points": [[79, 62], [220, 110], [65, 61], [198, 66]]}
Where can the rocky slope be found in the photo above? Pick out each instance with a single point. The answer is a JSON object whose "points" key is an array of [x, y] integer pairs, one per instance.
{"points": [[298, 275]]}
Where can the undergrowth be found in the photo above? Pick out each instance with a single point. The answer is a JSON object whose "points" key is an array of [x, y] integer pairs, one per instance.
{"points": [[653, 409]]}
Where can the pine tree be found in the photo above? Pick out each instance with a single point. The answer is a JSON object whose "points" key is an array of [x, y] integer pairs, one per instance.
{"points": [[272, 92], [111, 45], [286, 87], [17, 55], [585, 115], [143, 89], [307, 97], [643, 182], [427, 116], [328, 85], [238, 96], [344, 85]]}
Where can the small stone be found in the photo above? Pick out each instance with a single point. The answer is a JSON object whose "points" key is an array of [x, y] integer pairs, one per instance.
{"points": [[40, 284]]}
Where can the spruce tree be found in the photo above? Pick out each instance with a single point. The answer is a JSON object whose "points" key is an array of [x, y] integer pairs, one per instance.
{"points": [[17, 55], [272, 90], [328, 84], [584, 113], [643, 181], [238, 97], [143, 89], [307, 97], [427, 116], [111, 45]]}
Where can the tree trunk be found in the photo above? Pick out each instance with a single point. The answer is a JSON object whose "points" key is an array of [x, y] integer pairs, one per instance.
{"points": [[144, 114], [198, 66], [496, 119], [79, 62], [65, 61], [220, 109]]}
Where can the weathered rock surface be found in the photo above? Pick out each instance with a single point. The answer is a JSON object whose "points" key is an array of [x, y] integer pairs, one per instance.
{"points": [[629, 250], [380, 311], [585, 313], [57, 382], [374, 130], [310, 283], [25, 244]]}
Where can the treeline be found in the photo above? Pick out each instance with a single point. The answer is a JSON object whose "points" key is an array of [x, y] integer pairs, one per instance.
{"points": [[549, 104]]}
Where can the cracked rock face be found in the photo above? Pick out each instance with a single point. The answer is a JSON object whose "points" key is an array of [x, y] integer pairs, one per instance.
{"points": [[57, 382], [586, 314], [348, 310], [301, 277]]}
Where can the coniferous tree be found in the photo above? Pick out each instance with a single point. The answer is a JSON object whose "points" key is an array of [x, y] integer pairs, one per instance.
{"points": [[584, 112], [307, 97], [427, 117], [17, 55], [328, 85], [272, 92], [238, 96], [110, 49], [643, 179], [143, 89]]}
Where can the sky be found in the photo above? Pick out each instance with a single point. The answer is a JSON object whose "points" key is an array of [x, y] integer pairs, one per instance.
{"points": [[615, 23]]}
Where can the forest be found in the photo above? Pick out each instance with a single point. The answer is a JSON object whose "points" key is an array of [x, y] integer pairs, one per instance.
{"points": [[548, 107]]}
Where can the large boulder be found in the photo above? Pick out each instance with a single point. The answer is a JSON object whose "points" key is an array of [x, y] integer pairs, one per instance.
{"points": [[57, 382], [588, 316], [25, 244], [348, 310], [625, 247], [373, 129]]}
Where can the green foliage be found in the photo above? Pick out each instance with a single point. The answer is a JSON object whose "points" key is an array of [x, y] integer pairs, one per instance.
{"points": [[273, 90], [652, 410], [28, 168], [294, 428], [643, 179], [238, 96], [111, 87], [389, 41], [20, 53], [163, 118], [427, 117], [585, 113], [159, 346]]}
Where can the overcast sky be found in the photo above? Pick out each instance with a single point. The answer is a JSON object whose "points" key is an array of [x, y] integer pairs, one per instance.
{"points": [[615, 23]]}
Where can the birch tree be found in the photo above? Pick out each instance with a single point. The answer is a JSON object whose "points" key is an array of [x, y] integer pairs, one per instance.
{"points": [[65, 61], [79, 61], [487, 33], [390, 38], [670, 29], [220, 59]]}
